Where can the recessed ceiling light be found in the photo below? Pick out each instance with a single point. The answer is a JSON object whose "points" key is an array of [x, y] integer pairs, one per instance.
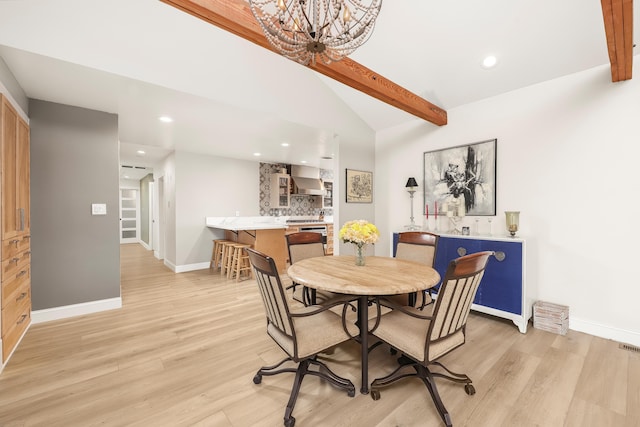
{"points": [[303, 161], [140, 152], [165, 119], [257, 154], [285, 144], [489, 62]]}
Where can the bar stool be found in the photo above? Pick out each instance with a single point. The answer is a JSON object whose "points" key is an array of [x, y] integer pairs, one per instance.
{"points": [[225, 257], [216, 255], [239, 262]]}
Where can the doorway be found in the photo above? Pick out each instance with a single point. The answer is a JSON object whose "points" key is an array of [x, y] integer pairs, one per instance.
{"points": [[129, 215]]}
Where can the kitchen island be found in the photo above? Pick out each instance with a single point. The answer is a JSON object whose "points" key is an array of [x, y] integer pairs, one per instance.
{"points": [[263, 233]]}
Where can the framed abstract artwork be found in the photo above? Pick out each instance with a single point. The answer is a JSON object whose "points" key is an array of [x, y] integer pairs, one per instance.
{"points": [[359, 186], [462, 176]]}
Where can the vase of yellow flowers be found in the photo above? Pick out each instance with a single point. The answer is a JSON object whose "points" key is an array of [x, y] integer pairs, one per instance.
{"points": [[359, 232]]}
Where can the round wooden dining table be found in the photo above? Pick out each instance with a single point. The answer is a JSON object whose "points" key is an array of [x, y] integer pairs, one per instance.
{"points": [[379, 276]]}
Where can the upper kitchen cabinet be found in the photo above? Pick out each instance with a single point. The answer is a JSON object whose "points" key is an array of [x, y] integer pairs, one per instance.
{"points": [[327, 199], [15, 173], [280, 190]]}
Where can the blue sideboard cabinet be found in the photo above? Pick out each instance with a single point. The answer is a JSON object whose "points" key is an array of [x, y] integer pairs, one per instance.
{"points": [[503, 290]]}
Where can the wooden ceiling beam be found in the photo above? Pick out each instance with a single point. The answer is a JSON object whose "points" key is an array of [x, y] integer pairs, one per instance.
{"points": [[618, 27], [236, 17]]}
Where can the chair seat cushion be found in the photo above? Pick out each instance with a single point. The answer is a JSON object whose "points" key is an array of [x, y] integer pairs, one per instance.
{"points": [[409, 334], [314, 333]]}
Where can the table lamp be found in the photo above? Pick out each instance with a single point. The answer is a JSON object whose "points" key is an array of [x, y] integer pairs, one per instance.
{"points": [[411, 188]]}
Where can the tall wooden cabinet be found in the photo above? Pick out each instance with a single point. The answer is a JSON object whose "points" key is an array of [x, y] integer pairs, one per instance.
{"points": [[15, 276]]}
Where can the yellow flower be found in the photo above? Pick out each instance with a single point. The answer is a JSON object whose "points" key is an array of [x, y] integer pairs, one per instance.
{"points": [[359, 232]]}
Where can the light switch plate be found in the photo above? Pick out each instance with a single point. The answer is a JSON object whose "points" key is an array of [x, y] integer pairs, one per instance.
{"points": [[98, 209]]}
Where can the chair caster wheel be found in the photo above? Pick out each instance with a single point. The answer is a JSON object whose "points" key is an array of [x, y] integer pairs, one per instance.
{"points": [[375, 394], [289, 422], [351, 393], [470, 389], [257, 379]]}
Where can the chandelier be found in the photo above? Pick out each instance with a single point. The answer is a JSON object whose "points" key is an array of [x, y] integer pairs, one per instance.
{"points": [[304, 30]]}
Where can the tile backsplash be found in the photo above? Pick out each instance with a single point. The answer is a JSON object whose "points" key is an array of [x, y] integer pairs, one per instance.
{"points": [[299, 205]]}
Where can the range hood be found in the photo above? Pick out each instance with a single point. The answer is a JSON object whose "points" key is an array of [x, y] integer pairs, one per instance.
{"points": [[306, 180]]}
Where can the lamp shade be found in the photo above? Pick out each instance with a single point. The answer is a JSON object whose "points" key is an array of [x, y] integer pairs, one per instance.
{"points": [[411, 182]]}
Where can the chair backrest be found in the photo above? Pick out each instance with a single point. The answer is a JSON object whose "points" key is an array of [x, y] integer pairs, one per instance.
{"points": [[272, 292], [418, 246], [455, 296], [303, 245]]}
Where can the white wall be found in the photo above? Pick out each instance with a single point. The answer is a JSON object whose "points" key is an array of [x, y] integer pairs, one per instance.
{"points": [[358, 157], [167, 172], [210, 186], [198, 186], [568, 153]]}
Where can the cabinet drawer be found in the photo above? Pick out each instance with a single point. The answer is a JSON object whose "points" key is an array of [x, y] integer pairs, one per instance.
{"points": [[11, 293], [12, 247], [15, 331], [16, 263], [11, 282], [13, 312]]}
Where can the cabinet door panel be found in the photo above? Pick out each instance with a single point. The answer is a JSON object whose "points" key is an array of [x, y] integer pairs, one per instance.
{"points": [[9, 145], [502, 282], [451, 248], [501, 286], [23, 178]]}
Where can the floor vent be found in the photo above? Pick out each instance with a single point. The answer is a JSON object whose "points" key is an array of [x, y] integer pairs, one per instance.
{"points": [[629, 347]]}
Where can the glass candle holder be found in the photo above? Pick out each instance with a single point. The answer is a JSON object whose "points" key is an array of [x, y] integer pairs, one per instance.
{"points": [[513, 219]]}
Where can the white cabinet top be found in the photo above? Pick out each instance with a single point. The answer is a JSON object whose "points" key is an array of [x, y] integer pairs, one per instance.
{"points": [[238, 223]]}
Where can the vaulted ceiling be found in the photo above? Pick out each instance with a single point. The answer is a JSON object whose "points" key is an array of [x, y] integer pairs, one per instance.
{"points": [[232, 97]]}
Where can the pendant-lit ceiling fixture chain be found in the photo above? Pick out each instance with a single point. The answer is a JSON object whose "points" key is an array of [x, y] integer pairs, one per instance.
{"points": [[304, 30]]}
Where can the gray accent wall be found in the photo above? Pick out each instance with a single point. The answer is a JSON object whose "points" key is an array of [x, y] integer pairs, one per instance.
{"points": [[74, 163]]}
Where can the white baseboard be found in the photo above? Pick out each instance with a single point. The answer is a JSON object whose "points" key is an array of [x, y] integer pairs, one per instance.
{"points": [[171, 265], [192, 267], [604, 331], [56, 313], [186, 267]]}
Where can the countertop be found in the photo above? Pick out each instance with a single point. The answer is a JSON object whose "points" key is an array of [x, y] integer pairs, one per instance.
{"points": [[239, 223]]}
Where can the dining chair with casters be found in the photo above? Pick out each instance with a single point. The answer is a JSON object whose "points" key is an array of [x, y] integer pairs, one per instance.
{"points": [[424, 336], [418, 246], [301, 334], [303, 245]]}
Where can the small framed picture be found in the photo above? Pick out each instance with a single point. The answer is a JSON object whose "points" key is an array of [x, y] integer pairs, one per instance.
{"points": [[359, 186]]}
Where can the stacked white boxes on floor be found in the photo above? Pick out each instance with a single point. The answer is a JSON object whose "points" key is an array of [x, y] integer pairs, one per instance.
{"points": [[551, 317]]}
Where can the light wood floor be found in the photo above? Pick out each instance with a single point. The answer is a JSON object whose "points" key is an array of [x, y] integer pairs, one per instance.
{"points": [[184, 348]]}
